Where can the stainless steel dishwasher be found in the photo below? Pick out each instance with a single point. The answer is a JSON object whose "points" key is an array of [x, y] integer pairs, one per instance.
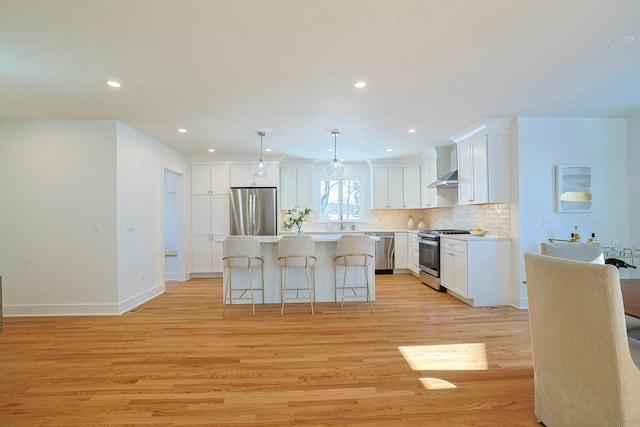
{"points": [[385, 251]]}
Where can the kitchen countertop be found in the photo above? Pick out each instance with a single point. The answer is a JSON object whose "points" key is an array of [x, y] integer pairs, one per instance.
{"points": [[317, 237], [339, 232], [468, 237]]}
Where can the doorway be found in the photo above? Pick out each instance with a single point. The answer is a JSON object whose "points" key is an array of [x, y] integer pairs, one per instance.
{"points": [[173, 202]]}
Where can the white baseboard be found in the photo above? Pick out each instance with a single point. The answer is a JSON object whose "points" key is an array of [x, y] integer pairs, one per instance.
{"points": [[141, 298], [205, 275], [105, 309]]}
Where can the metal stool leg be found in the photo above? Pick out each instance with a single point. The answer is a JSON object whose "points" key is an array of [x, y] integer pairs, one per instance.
{"points": [[309, 289], [253, 306], [227, 290]]}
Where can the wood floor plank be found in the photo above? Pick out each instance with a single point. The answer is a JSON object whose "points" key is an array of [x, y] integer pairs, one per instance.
{"points": [[176, 361]]}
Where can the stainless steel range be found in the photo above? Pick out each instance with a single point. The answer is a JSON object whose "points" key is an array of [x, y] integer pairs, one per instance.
{"points": [[429, 254]]}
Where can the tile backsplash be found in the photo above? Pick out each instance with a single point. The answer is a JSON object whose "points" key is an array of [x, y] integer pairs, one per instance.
{"points": [[494, 217]]}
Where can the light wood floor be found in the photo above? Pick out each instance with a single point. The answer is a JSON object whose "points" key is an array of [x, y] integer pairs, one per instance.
{"points": [[177, 362]]}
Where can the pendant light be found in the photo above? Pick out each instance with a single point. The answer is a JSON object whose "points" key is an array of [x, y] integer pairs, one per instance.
{"points": [[260, 167], [335, 168]]}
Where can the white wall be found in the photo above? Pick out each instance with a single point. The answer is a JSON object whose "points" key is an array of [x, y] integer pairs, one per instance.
{"points": [[633, 134], [56, 179], [141, 162], [546, 142]]}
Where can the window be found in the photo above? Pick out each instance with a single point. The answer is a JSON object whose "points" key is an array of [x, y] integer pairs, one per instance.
{"points": [[341, 200]]}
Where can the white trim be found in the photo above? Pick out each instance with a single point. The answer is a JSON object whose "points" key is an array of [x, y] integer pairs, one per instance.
{"points": [[33, 310], [141, 298]]}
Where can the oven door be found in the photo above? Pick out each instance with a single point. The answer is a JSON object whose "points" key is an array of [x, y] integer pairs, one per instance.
{"points": [[429, 255]]}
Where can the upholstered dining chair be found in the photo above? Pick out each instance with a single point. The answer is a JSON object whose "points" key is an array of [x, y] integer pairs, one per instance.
{"points": [[586, 369], [579, 251], [353, 251], [587, 252]]}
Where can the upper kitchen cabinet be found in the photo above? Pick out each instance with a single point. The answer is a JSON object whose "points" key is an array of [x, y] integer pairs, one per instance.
{"points": [[210, 179], [387, 187], [411, 181], [483, 162], [241, 175], [437, 162], [296, 187]]}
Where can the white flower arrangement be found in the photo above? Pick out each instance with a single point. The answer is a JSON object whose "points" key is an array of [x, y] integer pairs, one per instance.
{"points": [[296, 217]]}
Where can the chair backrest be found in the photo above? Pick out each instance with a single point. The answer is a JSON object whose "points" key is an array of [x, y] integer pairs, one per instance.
{"points": [[583, 371], [240, 246], [578, 251], [356, 244], [296, 246]]}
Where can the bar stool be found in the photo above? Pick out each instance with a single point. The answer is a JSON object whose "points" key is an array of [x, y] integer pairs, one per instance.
{"points": [[241, 253], [297, 252], [353, 251]]}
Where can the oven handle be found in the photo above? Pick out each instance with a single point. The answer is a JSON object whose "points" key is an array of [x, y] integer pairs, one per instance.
{"points": [[428, 242]]}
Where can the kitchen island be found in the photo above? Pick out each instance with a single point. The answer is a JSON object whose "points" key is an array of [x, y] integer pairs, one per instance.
{"points": [[325, 252]]}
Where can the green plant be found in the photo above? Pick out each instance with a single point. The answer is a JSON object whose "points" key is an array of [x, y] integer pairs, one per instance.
{"points": [[296, 217]]}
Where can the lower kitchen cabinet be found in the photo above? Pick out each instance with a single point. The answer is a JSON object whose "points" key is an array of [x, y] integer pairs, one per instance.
{"points": [[413, 249], [207, 253], [477, 269], [400, 251], [209, 224]]}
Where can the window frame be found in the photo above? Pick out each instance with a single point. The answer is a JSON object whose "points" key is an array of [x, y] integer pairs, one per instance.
{"points": [[327, 219]]}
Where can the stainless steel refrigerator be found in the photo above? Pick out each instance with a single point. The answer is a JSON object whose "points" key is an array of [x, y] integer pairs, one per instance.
{"points": [[254, 211]]}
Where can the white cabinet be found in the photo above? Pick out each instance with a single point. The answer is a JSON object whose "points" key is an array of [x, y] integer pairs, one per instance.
{"points": [[411, 184], [400, 250], [296, 187], [413, 254], [210, 179], [209, 223], [476, 269], [483, 163], [395, 187], [436, 165], [387, 188], [453, 266], [241, 175]]}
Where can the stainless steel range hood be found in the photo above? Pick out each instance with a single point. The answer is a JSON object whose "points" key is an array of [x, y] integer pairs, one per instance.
{"points": [[448, 180]]}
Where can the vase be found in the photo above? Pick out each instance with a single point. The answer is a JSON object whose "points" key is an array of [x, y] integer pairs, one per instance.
{"points": [[421, 226], [410, 224], [298, 231]]}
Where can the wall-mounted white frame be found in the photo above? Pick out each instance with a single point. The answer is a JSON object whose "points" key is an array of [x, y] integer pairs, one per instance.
{"points": [[573, 188]]}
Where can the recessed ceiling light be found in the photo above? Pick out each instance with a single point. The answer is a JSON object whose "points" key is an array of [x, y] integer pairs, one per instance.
{"points": [[360, 85], [389, 150], [113, 83], [621, 42], [411, 131], [211, 150], [330, 150], [181, 130], [267, 149]]}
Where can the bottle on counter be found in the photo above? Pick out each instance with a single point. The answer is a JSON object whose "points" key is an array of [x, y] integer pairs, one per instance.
{"points": [[576, 234]]}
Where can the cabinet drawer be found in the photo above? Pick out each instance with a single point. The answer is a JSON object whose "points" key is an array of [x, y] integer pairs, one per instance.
{"points": [[455, 245]]}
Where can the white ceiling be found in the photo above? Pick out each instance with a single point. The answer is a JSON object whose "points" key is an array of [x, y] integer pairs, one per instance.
{"points": [[228, 68]]}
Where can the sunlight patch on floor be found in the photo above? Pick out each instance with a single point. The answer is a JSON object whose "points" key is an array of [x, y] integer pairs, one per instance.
{"points": [[446, 357], [436, 384]]}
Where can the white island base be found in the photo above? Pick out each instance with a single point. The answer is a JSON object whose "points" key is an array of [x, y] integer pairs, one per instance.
{"points": [[324, 292]]}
